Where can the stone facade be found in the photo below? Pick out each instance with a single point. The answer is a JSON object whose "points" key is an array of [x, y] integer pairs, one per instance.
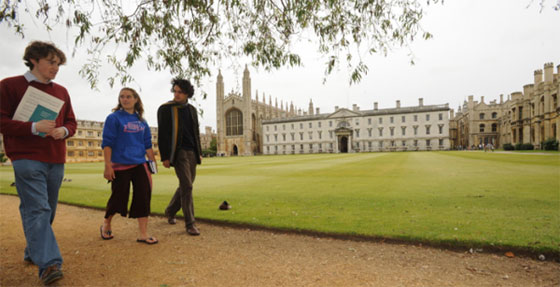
{"points": [[85, 145], [393, 129], [207, 137], [239, 118], [531, 116]]}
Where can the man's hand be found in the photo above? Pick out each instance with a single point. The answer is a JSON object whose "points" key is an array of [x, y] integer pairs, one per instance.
{"points": [[45, 126], [166, 163], [57, 133]]}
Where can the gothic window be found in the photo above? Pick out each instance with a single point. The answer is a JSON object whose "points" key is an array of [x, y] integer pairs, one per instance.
{"points": [[301, 136], [234, 123]]}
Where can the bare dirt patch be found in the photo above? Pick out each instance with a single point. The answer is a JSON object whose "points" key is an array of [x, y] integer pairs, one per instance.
{"points": [[225, 256]]}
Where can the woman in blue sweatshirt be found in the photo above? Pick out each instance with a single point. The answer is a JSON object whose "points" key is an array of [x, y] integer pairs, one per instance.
{"points": [[126, 142]]}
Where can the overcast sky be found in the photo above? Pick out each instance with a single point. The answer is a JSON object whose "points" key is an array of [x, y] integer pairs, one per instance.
{"points": [[480, 47]]}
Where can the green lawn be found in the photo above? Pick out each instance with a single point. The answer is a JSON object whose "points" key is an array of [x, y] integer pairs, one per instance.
{"points": [[458, 198]]}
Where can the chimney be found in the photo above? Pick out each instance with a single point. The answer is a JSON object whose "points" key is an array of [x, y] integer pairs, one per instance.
{"points": [[316, 111], [398, 104], [548, 72], [375, 106], [355, 107], [482, 99], [501, 98], [528, 90], [335, 108], [538, 77], [421, 102]]}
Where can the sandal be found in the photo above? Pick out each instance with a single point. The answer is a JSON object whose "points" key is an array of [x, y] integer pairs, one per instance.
{"points": [[110, 236], [149, 240]]}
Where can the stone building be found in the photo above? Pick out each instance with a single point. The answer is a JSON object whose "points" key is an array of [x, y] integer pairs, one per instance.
{"points": [[85, 145], [207, 137], [422, 127], [528, 117], [239, 118]]}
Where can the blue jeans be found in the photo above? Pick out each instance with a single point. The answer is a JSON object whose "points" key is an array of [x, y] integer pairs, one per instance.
{"points": [[37, 185]]}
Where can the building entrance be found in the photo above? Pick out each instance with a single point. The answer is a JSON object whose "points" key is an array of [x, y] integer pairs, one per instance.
{"points": [[235, 152], [343, 146]]}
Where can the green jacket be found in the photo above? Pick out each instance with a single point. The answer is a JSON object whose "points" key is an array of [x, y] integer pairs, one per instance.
{"points": [[169, 125]]}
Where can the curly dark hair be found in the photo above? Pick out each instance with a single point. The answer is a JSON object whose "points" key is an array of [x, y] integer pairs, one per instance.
{"points": [[37, 50], [185, 86]]}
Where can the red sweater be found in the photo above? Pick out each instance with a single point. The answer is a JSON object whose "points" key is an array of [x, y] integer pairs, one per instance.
{"points": [[19, 142]]}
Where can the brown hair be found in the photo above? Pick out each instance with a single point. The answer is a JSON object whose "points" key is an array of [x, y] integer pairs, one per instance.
{"points": [[37, 50], [138, 107]]}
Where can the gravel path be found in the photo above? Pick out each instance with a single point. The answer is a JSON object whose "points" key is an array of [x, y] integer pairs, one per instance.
{"points": [[224, 256]]}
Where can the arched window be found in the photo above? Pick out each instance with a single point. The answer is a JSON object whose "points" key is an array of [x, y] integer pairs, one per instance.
{"points": [[494, 128], [234, 122], [481, 128]]}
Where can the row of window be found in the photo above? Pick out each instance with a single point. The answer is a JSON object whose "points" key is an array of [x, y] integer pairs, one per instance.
{"points": [[366, 145], [482, 127], [356, 133], [482, 115], [380, 121]]}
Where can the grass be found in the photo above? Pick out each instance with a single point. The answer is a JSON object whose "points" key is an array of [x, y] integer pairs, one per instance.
{"points": [[453, 198]]}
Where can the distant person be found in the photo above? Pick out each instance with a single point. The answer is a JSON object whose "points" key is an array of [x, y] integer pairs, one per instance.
{"points": [[38, 153], [179, 146], [126, 142]]}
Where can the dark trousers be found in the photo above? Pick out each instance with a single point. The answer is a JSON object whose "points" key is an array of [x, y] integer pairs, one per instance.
{"points": [[185, 168], [141, 192]]}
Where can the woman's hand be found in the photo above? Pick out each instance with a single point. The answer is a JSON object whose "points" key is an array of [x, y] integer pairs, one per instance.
{"points": [[109, 173]]}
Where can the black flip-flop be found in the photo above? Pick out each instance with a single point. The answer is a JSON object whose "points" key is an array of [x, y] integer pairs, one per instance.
{"points": [[108, 233], [148, 242]]}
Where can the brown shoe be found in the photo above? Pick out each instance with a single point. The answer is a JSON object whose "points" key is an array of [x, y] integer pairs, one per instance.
{"points": [[170, 219], [51, 274], [192, 230]]}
